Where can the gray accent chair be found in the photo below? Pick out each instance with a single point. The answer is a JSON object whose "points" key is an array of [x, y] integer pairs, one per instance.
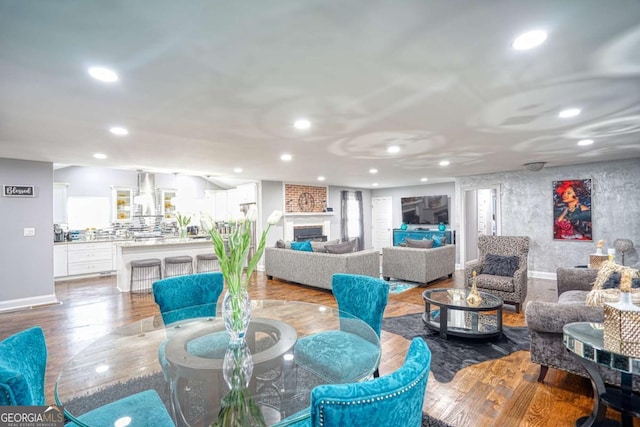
{"points": [[418, 264], [513, 290], [546, 319]]}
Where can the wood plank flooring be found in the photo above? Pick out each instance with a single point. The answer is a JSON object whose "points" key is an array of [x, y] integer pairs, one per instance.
{"points": [[501, 392]]}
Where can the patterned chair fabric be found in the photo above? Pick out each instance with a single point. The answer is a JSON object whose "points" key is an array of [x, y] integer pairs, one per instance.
{"points": [[336, 355], [187, 297], [23, 360], [513, 290], [389, 401]]}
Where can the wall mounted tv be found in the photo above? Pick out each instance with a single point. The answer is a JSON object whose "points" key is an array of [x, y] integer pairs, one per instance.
{"points": [[425, 210]]}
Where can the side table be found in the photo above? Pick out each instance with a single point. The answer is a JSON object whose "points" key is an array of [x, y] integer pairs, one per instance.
{"points": [[585, 341]]}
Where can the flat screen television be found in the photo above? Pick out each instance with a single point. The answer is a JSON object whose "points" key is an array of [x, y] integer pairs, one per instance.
{"points": [[427, 210]]}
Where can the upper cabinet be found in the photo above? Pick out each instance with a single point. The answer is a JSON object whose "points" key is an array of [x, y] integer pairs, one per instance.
{"points": [[166, 198], [60, 196], [122, 201]]}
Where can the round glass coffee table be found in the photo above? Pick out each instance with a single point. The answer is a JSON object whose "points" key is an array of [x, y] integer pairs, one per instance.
{"points": [[447, 311]]}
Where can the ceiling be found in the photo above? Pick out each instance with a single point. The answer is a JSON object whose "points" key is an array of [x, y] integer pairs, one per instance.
{"points": [[207, 86]]}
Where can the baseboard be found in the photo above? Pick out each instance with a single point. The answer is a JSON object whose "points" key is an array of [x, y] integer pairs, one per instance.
{"points": [[542, 275], [22, 303]]}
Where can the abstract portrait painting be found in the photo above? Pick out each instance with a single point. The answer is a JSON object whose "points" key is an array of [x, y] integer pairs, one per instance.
{"points": [[572, 210]]}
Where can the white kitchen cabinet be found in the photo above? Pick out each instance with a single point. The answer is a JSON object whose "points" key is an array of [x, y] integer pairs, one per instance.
{"points": [[122, 204], [60, 260], [60, 192], [89, 258], [166, 197]]}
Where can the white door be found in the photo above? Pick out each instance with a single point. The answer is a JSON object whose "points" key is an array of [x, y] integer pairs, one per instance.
{"points": [[381, 222]]}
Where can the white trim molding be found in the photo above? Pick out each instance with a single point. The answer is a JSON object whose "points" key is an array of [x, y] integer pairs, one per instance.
{"points": [[22, 303]]}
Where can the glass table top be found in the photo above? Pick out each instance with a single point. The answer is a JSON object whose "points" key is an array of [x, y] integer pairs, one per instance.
{"points": [[447, 297], [586, 339], [191, 368]]}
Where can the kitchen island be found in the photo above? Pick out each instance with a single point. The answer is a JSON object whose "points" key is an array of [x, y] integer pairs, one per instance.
{"points": [[156, 248]]}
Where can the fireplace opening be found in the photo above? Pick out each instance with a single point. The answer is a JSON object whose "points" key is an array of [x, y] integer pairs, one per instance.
{"points": [[308, 232]]}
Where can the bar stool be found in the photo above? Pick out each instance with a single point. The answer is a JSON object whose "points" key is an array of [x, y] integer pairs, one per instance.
{"points": [[206, 263], [143, 273], [178, 265]]}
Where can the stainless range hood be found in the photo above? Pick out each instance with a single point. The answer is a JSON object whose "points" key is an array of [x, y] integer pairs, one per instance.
{"points": [[146, 194]]}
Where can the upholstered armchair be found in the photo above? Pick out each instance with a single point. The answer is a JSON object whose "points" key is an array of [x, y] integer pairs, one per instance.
{"points": [[388, 401], [510, 283], [23, 359], [336, 355]]}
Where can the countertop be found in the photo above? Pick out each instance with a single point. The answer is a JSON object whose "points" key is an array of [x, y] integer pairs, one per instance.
{"points": [[141, 242]]}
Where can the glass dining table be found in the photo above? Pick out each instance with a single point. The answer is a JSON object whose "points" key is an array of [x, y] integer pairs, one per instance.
{"points": [[199, 377]]}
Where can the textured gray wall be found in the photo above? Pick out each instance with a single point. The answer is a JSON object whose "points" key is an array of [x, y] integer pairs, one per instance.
{"points": [[527, 208], [26, 263]]}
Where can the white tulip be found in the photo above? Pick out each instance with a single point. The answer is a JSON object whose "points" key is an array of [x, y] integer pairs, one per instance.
{"points": [[274, 218], [252, 213]]}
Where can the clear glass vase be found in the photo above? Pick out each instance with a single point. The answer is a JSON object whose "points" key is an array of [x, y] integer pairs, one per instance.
{"points": [[236, 313]]}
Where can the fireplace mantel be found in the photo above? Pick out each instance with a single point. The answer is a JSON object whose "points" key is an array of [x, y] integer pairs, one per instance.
{"points": [[293, 214], [293, 219]]}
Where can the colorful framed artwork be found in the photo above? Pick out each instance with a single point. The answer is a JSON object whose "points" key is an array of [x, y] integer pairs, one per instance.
{"points": [[572, 210]]}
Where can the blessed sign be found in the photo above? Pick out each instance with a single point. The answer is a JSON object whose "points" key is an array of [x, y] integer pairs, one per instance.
{"points": [[18, 190]]}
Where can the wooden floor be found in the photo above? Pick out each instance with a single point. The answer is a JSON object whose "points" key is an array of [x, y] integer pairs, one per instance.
{"points": [[501, 392]]}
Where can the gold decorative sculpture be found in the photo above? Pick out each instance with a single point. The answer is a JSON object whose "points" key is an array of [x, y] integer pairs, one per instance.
{"points": [[474, 299]]}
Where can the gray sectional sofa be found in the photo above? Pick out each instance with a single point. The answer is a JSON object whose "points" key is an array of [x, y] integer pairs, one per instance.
{"points": [[418, 264], [317, 268]]}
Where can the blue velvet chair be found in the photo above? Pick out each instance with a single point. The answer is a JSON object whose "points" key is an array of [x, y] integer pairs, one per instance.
{"points": [[187, 297], [335, 355], [23, 361], [388, 401]]}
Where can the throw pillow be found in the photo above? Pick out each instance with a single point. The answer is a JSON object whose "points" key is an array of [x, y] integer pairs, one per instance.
{"points": [[320, 246], [439, 242], [500, 265], [280, 244], [606, 288], [340, 248], [424, 243], [301, 246]]}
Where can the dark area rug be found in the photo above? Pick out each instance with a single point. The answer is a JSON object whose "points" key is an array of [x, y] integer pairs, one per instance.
{"points": [[450, 355]]}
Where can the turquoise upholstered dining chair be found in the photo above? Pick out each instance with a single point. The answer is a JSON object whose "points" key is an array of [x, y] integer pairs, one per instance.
{"points": [[335, 355], [23, 360], [388, 401], [187, 297]]}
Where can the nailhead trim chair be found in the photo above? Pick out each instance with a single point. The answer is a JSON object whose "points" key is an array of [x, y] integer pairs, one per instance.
{"points": [[335, 355], [388, 401], [23, 359]]}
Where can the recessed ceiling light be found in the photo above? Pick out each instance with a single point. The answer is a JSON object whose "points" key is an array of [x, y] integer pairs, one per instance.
{"points": [[445, 162], [375, 184], [424, 179], [302, 124], [321, 178], [286, 157], [237, 170], [103, 74], [529, 40], [393, 149], [569, 112], [120, 131], [373, 170], [584, 142], [100, 156]]}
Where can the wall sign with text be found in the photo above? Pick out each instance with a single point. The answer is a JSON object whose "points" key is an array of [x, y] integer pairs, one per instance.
{"points": [[18, 191]]}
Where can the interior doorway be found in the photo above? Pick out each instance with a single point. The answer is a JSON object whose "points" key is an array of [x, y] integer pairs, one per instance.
{"points": [[480, 217], [381, 222]]}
